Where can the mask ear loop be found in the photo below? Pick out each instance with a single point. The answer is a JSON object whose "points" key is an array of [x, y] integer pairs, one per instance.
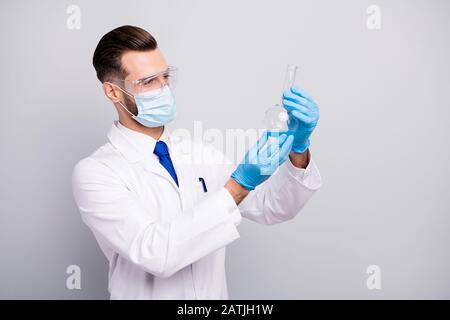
{"points": [[129, 112], [121, 104]]}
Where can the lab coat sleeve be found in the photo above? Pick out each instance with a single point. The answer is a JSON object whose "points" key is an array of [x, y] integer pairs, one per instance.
{"points": [[116, 217], [283, 195]]}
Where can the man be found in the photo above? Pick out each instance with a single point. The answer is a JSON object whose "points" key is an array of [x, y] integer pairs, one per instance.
{"points": [[162, 219]]}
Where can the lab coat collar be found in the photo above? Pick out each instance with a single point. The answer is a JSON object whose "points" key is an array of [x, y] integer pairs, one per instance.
{"points": [[136, 146]]}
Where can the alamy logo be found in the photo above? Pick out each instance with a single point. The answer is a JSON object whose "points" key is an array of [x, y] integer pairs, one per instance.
{"points": [[74, 18], [374, 18], [374, 280], [73, 281]]}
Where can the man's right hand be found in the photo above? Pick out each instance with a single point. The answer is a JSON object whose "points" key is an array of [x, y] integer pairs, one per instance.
{"points": [[261, 161]]}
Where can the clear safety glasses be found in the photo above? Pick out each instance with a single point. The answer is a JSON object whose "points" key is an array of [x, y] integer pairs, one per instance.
{"points": [[154, 83]]}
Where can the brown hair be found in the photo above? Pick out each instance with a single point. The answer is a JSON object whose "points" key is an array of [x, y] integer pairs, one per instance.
{"points": [[111, 47]]}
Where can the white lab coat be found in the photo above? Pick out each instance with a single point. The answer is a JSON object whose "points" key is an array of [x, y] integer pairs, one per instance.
{"points": [[168, 242]]}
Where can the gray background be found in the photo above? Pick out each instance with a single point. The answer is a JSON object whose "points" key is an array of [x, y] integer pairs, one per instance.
{"points": [[381, 144]]}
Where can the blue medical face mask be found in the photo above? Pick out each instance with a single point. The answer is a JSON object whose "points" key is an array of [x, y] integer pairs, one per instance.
{"points": [[155, 108]]}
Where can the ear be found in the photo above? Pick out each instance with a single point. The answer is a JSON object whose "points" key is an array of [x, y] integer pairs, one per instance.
{"points": [[112, 93]]}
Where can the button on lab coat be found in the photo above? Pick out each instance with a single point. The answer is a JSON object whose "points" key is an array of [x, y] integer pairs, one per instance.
{"points": [[168, 242]]}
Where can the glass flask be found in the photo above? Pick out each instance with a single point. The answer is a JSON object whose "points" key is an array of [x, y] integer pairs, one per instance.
{"points": [[276, 117]]}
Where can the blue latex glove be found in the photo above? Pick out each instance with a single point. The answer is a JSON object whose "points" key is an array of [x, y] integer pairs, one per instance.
{"points": [[261, 161], [303, 117]]}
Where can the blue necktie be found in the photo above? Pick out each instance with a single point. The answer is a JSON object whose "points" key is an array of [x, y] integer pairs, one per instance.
{"points": [[164, 158]]}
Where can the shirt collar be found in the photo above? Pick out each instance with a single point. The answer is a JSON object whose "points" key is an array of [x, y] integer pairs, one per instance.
{"points": [[143, 143]]}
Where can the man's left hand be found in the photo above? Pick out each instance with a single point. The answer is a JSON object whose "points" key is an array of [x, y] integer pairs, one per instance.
{"points": [[303, 117]]}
